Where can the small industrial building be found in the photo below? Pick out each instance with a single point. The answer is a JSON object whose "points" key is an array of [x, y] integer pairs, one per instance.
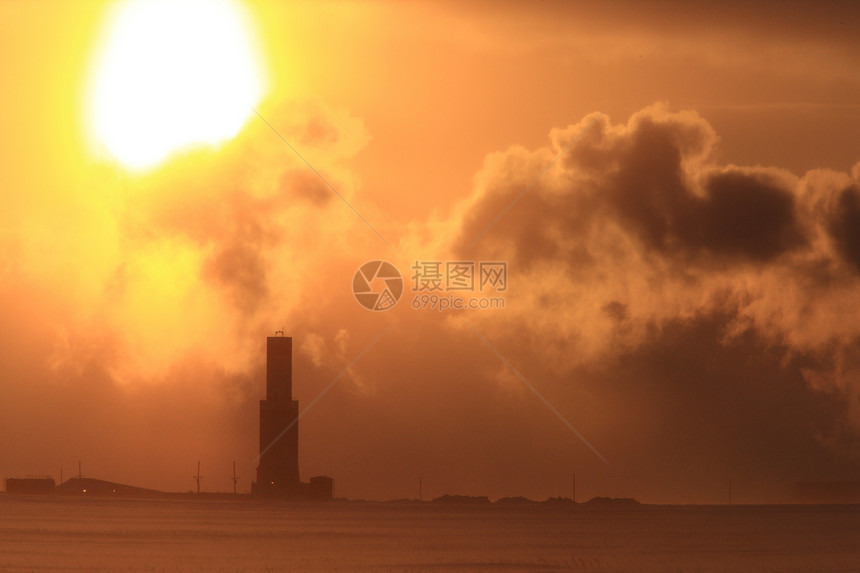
{"points": [[29, 486]]}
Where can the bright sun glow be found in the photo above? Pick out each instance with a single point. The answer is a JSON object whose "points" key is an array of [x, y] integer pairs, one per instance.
{"points": [[172, 74]]}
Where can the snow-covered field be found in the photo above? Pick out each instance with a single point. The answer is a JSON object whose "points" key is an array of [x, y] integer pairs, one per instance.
{"points": [[73, 534]]}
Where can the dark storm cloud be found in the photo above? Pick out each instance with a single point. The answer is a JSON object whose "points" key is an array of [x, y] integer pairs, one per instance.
{"points": [[653, 190], [746, 215], [845, 225], [650, 179]]}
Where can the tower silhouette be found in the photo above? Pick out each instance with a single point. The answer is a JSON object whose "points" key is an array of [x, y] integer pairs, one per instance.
{"points": [[278, 471]]}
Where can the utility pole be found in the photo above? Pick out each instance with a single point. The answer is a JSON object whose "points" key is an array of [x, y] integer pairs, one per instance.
{"points": [[574, 487], [730, 491], [80, 474], [197, 478], [61, 476], [235, 479], [420, 493]]}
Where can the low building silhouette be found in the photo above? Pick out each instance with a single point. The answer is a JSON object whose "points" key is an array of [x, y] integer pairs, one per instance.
{"points": [[321, 488], [30, 486]]}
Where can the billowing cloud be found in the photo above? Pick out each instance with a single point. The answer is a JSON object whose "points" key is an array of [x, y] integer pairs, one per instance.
{"points": [[638, 227], [652, 177]]}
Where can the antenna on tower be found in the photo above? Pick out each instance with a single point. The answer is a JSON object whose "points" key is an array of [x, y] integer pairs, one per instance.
{"points": [[198, 477], [279, 332], [235, 479]]}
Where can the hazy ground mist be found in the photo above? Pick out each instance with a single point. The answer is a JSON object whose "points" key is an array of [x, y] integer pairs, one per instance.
{"points": [[45, 533]]}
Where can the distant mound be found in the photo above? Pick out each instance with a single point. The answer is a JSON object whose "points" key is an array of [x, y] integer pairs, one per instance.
{"points": [[518, 500], [613, 502], [463, 499], [91, 486], [559, 501]]}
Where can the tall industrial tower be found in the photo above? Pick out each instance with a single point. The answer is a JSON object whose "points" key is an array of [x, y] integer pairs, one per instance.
{"points": [[278, 472]]}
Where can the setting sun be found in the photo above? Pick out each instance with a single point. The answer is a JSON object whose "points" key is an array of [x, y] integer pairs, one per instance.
{"points": [[171, 75]]}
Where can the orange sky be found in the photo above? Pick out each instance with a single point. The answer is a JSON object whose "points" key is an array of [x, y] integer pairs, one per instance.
{"points": [[683, 280]]}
